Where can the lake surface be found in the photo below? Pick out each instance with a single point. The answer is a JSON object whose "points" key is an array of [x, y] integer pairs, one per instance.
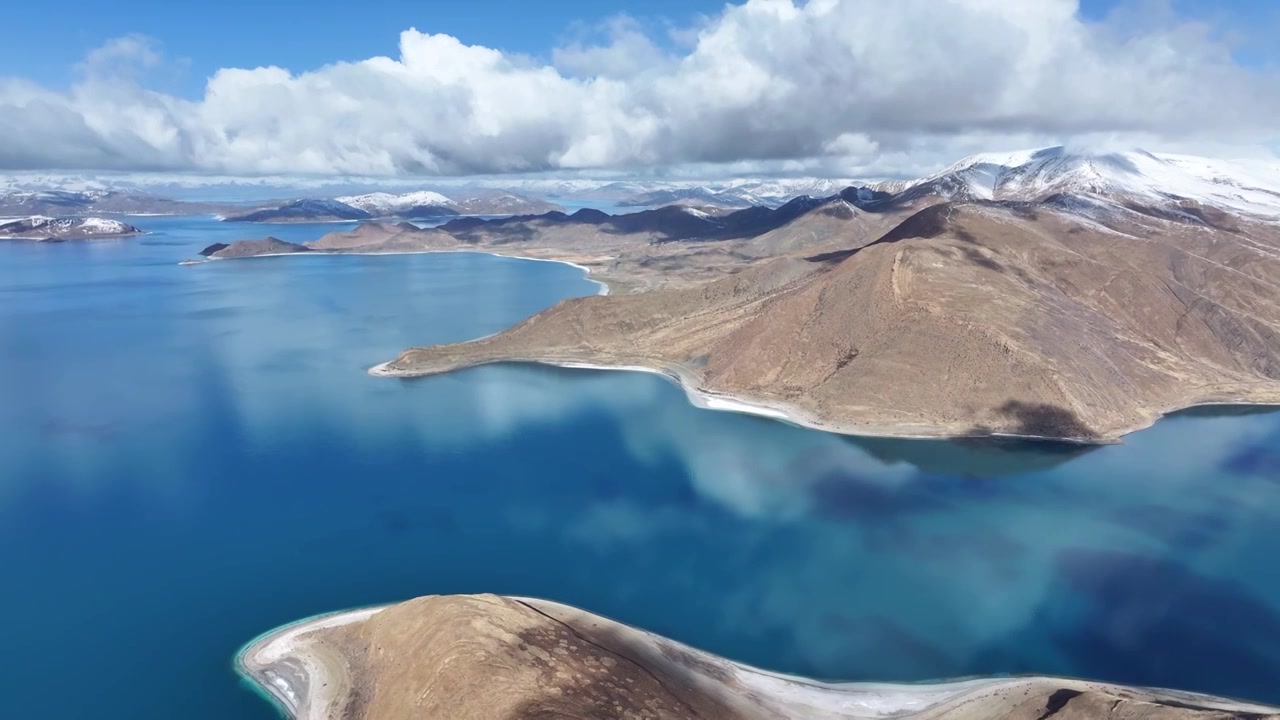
{"points": [[194, 455]]}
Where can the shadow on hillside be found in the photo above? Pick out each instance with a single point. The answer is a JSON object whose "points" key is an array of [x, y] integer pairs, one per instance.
{"points": [[1041, 420]]}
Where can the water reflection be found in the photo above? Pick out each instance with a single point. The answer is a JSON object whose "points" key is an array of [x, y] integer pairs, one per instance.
{"points": [[197, 453], [977, 456]]}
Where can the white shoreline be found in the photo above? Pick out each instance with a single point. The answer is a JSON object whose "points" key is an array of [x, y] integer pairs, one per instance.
{"points": [[283, 645], [699, 397], [586, 271], [725, 402]]}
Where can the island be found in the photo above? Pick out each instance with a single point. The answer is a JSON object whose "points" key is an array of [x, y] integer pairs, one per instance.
{"points": [[1042, 294], [49, 229], [504, 658], [266, 247]]}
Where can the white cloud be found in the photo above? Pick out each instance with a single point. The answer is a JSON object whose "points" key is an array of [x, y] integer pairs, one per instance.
{"points": [[629, 53], [122, 57], [830, 86]]}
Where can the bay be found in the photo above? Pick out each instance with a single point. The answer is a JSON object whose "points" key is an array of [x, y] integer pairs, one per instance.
{"points": [[192, 455]]}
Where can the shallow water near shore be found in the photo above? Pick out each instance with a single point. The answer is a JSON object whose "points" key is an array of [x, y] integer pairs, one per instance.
{"points": [[195, 455]]}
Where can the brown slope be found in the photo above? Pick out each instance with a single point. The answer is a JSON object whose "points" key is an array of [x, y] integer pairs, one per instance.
{"points": [[668, 247], [964, 319], [493, 658], [252, 248], [383, 237]]}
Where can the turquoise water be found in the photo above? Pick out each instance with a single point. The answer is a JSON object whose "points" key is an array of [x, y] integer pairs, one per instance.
{"points": [[193, 455]]}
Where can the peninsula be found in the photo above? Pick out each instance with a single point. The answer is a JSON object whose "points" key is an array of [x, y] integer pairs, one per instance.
{"points": [[1038, 294], [499, 658]]}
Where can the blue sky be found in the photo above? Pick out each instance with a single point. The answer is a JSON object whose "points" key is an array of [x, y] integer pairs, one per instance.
{"points": [[834, 87], [201, 37], [300, 35]]}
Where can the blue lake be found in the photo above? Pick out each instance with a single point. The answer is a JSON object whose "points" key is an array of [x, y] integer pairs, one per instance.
{"points": [[194, 455]]}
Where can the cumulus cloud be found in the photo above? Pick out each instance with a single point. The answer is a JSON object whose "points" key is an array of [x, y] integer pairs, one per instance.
{"points": [[847, 86]]}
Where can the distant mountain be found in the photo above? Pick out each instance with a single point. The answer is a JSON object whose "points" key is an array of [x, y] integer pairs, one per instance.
{"points": [[501, 202], [64, 203], [1126, 178], [669, 223], [303, 211], [419, 204], [423, 203], [47, 229], [735, 194], [693, 196]]}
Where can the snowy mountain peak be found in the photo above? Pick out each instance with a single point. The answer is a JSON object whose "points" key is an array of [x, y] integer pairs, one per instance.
{"points": [[388, 204], [1134, 175]]}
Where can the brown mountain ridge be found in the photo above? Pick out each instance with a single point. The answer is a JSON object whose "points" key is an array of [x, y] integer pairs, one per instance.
{"points": [[1057, 318], [1082, 312]]}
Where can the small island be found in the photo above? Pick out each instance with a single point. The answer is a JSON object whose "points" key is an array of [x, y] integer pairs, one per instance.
{"points": [[48, 229], [503, 658], [266, 247]]}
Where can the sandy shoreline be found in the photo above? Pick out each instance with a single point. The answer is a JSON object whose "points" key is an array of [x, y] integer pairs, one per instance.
{"points": [[284, 665], [309, 679]]}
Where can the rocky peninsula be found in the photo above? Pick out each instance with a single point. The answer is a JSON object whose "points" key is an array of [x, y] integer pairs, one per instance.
{"points": [[486, 657], [1061, 297]]}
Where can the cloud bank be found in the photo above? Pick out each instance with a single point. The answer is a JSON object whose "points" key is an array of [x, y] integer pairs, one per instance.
{"points": [[847, 86]]}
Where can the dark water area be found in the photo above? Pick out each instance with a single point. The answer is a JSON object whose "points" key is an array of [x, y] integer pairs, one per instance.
{"points": [[194, 455]]}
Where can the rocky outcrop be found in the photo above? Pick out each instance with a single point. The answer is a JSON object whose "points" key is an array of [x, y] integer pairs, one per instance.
{"points": [[252, 248]]}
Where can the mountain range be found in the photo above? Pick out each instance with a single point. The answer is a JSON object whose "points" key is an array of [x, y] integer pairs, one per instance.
{"points": [[72, 203], [413, 205], [1043, 293], [1135, 177]]}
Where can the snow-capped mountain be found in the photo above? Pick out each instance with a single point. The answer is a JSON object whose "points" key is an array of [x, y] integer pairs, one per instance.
{"points": [[307, 210], [498, 202], [428, 203], [736, 193], [49, 229], [1137, 176], [382, 204]]}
